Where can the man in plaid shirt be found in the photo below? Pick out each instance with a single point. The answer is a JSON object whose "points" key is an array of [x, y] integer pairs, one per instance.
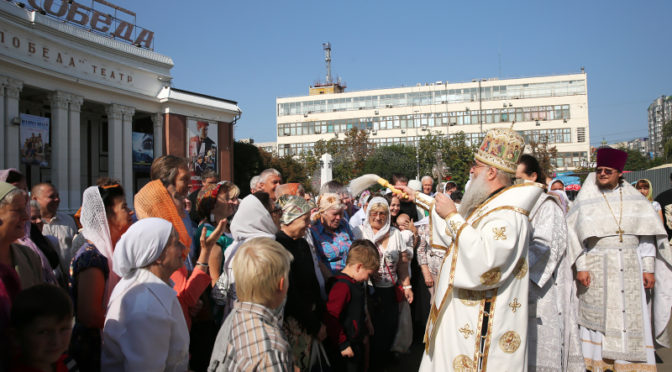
{"points": [[251, 338]]}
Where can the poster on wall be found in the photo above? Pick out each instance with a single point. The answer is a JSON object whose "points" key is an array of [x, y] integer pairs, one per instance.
{"points": [[201, 148], [143, 151], [34, 136]]}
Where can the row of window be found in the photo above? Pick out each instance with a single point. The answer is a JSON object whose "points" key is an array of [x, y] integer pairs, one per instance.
{"points": [[570, 159], [436, 97], [554, 136], [426, 120]]}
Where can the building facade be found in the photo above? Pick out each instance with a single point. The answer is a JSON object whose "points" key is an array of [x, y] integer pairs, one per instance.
{"points": [[549, 107], [80, 98], [640, 145], [660, 112]]}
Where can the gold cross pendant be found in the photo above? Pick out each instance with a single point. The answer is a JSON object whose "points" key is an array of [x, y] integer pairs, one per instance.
{"points": [[620, 234]]}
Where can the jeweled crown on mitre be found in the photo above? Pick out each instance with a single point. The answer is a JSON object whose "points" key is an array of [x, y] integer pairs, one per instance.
{"points": [[501, 149]]}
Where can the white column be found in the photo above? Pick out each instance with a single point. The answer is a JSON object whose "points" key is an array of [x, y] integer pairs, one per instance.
{"points": [[157, 119], [12, 152], [114, 138], [59, 146], [127, 158], [74, 152]]}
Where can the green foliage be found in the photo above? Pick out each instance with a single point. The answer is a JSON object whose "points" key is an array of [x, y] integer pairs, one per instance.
{"points": [[444, 157], [636, 161], [348, 155], [247, 163], [386, 160], [541, 150], [291, 169]]}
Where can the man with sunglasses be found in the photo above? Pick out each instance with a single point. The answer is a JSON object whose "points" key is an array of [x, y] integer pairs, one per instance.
{"points": [[614, 237]]}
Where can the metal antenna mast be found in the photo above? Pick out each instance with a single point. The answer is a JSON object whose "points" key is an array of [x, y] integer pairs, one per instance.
{"points": [[327, 58]]}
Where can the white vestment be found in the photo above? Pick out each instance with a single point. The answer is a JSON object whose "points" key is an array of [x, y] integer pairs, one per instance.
{"points": [[484, 279], [615, 250], [553, 334]]}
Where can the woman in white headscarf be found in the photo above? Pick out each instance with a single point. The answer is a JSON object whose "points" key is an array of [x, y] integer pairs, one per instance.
{"points": [[145, 329], [105, 217], [394, 254], [257, 216], [556, 188]]}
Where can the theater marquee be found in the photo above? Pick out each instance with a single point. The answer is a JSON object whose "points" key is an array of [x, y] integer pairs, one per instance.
{"points": [[99, 18]]}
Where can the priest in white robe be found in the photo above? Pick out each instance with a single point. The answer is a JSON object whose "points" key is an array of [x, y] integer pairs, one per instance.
{"points": [[615, 236], [478, 319], [553, 334]]}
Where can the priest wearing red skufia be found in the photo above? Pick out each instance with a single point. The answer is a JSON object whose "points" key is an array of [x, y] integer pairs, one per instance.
{"points": [[614, 236]]}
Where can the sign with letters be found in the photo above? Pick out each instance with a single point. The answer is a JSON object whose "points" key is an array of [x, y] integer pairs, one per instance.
{"points": [[99, 19]]}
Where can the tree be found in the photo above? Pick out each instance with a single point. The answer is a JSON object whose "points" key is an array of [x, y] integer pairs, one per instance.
{"points": [[636, 161], [445, 157], [386, 160], [247, 163], [348, 155], [544, 154], [292, 170]]}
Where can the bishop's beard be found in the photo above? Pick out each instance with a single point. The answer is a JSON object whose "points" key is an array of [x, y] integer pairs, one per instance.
{"points": [[477, 193]]}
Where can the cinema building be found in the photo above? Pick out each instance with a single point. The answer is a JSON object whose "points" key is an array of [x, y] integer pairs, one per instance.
{"points": [[83, 95]]}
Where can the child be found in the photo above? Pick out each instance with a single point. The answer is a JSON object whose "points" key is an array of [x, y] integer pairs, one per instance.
{"points": [[41, 325], [346, 317], [251, 337]]}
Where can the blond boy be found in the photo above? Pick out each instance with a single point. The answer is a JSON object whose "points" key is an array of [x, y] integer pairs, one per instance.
{"points": [[251, 337]]}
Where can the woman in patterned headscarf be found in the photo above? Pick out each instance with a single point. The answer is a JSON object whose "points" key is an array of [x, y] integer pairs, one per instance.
{"points": [[305, 306]]}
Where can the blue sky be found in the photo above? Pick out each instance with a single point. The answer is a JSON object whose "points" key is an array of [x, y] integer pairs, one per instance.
{"points": [[254, 51]]}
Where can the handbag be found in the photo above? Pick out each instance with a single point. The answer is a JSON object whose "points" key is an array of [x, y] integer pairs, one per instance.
{"points": [[404, 337], [318, 358], [221, 292], [398, 289]]}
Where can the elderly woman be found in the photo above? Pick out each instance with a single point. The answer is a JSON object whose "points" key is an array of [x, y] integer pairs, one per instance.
{"points": [[305, 307], [156, 199], [13, 218], [257, 216], [145, 329], [331, 232], [394, 256], [33, 238], [105, 217]]}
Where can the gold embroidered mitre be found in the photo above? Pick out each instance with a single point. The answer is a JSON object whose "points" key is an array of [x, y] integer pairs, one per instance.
{"points": [[501, 149]]}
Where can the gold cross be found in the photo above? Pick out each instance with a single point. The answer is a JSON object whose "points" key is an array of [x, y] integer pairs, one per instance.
{"points": [[466, 331], [620, 234], [514, 305], [499, 232]]}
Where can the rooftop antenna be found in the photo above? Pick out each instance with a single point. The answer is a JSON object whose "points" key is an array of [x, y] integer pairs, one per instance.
{"points": [[327, 58]]}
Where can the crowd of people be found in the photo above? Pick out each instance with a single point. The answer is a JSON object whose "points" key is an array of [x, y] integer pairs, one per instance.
{"points": [[509, 274]]}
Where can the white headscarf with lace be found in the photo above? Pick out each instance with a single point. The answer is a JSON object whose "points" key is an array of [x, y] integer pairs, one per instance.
{"points": [[96, 230]]}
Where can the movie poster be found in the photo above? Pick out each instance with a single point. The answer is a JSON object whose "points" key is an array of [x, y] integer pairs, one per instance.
{"points": [[143, 151], [34, 136], [201, 148]]}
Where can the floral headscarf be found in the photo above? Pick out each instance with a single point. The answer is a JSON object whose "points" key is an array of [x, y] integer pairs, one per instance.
{"points": [[293, 207]]}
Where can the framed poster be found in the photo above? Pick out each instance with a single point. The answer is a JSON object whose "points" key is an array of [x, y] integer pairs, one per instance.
{"points": [[143, 150], [201, 148], [34, 136]]}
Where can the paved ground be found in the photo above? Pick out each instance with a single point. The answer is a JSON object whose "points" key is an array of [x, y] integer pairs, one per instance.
{"points": [[411, 362], [666, 356]]}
